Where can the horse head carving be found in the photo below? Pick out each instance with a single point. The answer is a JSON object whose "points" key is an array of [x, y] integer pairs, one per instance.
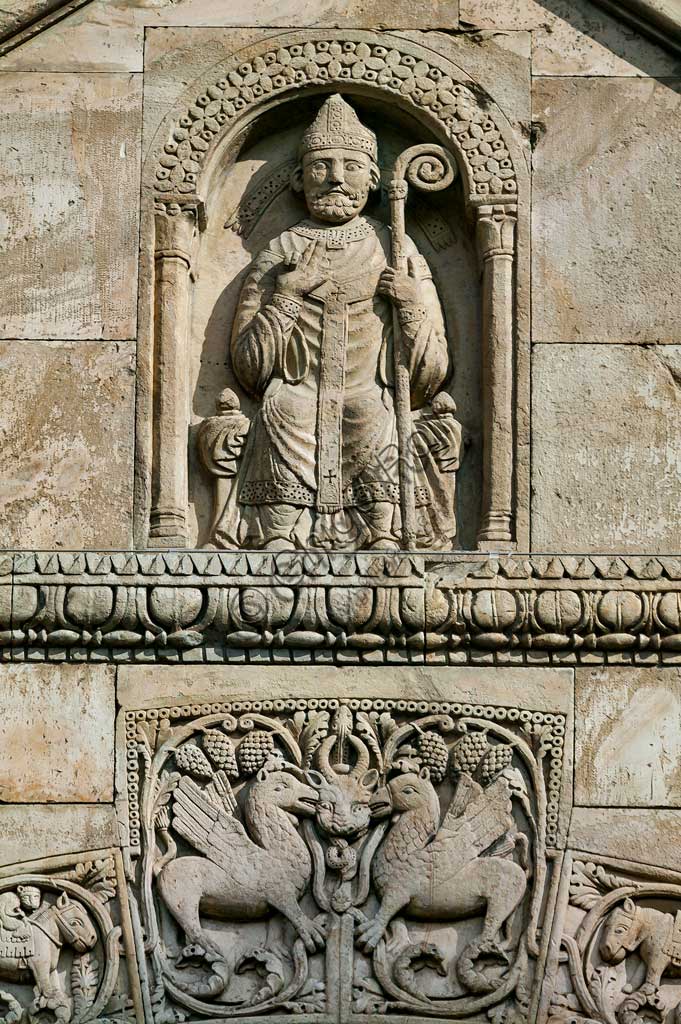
{"points": [[75, 926], [620, 933]]}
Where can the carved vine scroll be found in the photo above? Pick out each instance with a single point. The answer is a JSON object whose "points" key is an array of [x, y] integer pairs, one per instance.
{"points": [[64, 923], [617, 937], [343, 858]]}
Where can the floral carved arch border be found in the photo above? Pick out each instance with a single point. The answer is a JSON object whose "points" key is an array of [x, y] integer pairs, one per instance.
{"points": [[405, 70], [185, 151]]}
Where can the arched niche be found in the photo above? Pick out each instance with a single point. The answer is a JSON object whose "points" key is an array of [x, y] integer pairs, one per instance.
{"points": [[207, 158]]}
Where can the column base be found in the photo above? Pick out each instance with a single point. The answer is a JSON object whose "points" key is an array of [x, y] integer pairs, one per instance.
{"points": [[167, 529], [170, 542], [495, 532]]}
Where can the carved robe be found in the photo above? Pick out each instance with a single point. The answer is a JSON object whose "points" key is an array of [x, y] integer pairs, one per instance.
{"points": [[324, 438]]}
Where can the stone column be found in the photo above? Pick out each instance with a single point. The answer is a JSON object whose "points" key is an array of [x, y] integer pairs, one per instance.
{"points": [[175, 229], [495, 237]]}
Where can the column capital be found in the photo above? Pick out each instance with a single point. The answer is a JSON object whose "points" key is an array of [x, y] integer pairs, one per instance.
{"points": [[495, 230], [177, 220]]}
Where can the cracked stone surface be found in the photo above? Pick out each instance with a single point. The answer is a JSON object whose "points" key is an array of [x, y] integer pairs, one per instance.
{"points": [[606, 222], [72, 165], [66, 428], [627, 741]]}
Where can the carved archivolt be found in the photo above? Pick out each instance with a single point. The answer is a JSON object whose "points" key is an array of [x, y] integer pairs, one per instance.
{"points": [[344, 857], [413, 75]]}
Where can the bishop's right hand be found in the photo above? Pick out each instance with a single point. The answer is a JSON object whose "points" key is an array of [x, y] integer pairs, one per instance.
{"points": [[300, 274]]}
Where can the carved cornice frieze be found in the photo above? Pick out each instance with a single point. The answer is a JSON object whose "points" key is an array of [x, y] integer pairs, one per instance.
{"points": [[377, 608]]}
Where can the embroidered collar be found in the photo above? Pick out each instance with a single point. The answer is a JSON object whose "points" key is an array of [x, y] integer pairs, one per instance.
{"points": [[336, 236]]}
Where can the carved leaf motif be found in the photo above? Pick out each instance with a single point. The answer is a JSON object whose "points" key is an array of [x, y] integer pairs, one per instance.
{"points": [[507, 1013], [589, 882], [146, 736], [311, 998], [311, 736], [386, 725], [605, 986], [368, 997], [165, 732], [15, 1011], [166, 785], [163, 1013], [267, 965], [99, 876], [565, 1000], [367, 730], [297, 724], [541, 737], [84, 981]]}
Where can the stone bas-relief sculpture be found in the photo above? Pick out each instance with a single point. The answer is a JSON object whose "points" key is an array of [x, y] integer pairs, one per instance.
{"points": [[63, 927], [619, 934], [343, 859], [404, 82], [339, 335], [349, 608]]}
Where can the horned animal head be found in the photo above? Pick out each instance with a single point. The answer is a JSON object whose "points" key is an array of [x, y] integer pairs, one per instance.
{"points": [[345, 790]]}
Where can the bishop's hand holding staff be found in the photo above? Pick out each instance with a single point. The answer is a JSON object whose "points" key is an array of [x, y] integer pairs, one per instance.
{"points": [[312, 342]]}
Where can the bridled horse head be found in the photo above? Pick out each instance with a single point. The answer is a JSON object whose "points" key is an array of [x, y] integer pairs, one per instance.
{"points": [[621, 934]]}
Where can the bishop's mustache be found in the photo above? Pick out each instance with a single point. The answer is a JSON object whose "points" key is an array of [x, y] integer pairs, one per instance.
{"points": [[339, 190]]}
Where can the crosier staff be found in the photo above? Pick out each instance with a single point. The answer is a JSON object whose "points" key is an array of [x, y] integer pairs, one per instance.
{"points": [[429, 168]]}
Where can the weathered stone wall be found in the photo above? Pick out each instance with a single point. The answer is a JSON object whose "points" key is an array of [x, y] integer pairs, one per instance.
{"points": [[568, 638]]}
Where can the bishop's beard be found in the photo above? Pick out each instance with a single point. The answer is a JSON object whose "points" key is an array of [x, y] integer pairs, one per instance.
{"points": [[340, 205]]}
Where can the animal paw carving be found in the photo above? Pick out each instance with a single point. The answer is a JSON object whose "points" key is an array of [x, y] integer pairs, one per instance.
{"points": [[369, 934], [312, 933]]}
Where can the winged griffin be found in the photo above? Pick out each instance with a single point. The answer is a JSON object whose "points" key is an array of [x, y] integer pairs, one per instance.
{"points": [[439, 871], [246, 872]]}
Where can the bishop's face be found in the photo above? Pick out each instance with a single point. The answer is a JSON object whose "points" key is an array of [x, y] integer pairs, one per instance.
{"points": [[337, 183]]}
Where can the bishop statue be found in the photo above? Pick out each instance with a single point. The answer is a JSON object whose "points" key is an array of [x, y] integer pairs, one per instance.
{"points": [[312, 342]]}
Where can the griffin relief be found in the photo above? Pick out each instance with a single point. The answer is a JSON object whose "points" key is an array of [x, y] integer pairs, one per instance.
{"points": [[343, 858]]}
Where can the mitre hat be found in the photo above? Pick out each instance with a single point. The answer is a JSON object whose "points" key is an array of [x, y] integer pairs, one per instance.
{"points": [[337, 126]]}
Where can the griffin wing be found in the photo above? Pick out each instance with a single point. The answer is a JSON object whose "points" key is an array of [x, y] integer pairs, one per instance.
{"points": [[209, 828], [460, 839]]}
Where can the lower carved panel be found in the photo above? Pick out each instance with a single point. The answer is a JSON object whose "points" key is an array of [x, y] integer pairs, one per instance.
{"points": [[66, 949], [344, 860], [617, 944]]}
